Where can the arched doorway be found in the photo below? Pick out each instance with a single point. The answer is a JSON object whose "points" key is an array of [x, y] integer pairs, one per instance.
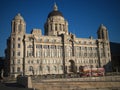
{"points": [[72, 67]]}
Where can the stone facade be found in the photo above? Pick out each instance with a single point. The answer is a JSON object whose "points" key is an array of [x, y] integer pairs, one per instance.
{"points": [[56, 52]]}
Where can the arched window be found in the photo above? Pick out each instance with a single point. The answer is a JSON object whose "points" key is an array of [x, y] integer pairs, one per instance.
{"points": [[30, 68], [18, 69]]}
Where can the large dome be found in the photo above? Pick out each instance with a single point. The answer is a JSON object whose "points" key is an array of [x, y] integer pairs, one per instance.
{"points": [[55, 12]]}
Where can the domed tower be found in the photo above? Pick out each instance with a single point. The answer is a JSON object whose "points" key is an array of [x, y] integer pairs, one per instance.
{"points": [[102, 32], [104, 48], [55, 24], [18, 25], [16, 45]]}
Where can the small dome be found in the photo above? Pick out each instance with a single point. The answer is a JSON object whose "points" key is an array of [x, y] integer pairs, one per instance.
{"points": [[103, 27], [18, 17]]}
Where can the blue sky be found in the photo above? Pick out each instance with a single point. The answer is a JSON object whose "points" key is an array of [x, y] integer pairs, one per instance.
{"points": [[83, 16]]}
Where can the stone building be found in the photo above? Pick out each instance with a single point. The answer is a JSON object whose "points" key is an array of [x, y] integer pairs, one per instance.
{"points": [[56, 52]]}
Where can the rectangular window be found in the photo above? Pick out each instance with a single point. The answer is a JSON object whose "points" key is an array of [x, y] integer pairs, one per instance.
{"points": [[13, 45], [32, 61], [12, 61], [18, 45], [18, 39], [38, 46], [18, 53], [13, 53], [37, 61], [60, 26], [30, 53], [13, 70], [18, 69], [30, 46], [18, 61], [56, 27], [29, 62]]}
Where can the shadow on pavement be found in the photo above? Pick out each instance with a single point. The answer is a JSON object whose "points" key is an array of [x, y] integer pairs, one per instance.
{"points": [[12, 86]]}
